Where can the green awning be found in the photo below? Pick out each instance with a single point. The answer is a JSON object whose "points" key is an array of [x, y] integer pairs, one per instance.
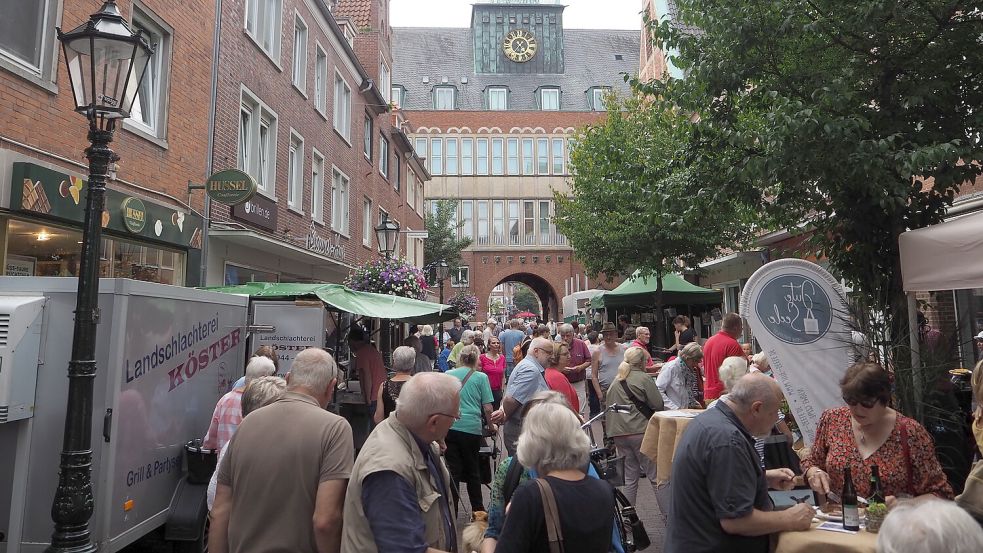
{"points": [[340, 298], [640, 292]]}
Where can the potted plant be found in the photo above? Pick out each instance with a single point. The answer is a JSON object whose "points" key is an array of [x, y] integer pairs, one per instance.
{"points": [[394, 277], [876, 512], [465, 302]]}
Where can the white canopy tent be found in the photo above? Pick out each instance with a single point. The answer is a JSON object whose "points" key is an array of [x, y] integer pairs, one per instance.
{"points": [[947, 256]]}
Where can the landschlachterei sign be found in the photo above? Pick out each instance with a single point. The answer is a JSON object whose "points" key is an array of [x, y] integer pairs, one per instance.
{"points": [[799, 316]]}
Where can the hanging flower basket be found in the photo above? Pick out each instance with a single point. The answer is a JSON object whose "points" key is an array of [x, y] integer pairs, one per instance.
{"points": [[465, 303], [394, 277]]}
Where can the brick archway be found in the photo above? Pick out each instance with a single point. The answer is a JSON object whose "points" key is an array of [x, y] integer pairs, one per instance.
{"points": [[544, 272]]}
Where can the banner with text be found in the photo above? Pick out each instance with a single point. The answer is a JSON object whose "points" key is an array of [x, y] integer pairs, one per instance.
{"points": [[799, 315]]}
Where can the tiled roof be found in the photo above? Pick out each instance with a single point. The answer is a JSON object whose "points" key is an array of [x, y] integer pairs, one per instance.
{"points": [[359, 12], [591, 60]]}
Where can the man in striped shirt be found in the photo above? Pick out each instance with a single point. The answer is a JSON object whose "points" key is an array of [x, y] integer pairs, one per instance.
{"points": [[228, 410]]}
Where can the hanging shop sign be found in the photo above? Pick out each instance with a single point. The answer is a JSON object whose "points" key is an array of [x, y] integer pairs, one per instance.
{"points": [[329, 247], [51, 194], [230, 187], [258, 211], [799, 315]]}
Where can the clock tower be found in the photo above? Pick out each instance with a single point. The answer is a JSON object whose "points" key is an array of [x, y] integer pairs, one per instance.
{"points": [[517, 37]]}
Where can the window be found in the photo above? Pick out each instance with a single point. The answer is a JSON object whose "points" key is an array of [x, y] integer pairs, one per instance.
{"points": [[27, 35], [419, 197], [300, 54], [497, 167], [544, 222], [498, 98], [460, 278], [385, 80], [339, 201], [543, 156], [368, 231], [498, 221], [257, 142], [467, 219], [149, 107], [396, 173], [410, 187], [571, 143], [437, 156], [342, 108], [263, 25], [467, 156], [482, 156], [444, 97], [320, 80], [295, 172], [512, 147], [421, 150], [317, 186], [514, 222], [549, 99], [367, 138], [597, 95], [397, 93], [383, 156], [528, 157], [482, 222], [451, 166], [529, 222], [558, 156]]}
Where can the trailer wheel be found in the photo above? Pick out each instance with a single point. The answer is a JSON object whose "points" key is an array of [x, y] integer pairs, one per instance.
{"points": [[199, 545]]}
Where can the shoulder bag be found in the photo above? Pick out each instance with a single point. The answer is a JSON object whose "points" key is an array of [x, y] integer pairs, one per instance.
{"points": [[642, 407], [553, 532]]}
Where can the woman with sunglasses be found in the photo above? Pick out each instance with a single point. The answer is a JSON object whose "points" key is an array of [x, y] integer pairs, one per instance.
{"points": [[869, 432]]}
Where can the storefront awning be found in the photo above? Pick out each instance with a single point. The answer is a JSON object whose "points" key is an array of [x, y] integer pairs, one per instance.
{"points": [[944, 256], [636, 292], [340, 298]]}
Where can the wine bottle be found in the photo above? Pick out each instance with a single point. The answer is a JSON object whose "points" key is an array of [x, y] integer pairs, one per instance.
{"points": [[851, 510], [876, 493]]}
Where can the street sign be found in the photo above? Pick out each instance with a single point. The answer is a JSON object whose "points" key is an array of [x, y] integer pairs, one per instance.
{"points": [[230, 187]]}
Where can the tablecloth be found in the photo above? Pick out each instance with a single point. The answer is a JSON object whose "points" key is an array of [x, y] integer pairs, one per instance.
{"points": [[822, 541], [660, 439]]}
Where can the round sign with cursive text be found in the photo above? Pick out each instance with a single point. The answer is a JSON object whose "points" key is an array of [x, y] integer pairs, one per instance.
{"points": [[794, 308]]}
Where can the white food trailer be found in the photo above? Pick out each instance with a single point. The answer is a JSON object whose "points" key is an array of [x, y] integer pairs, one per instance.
{"points": [[165, 354]]}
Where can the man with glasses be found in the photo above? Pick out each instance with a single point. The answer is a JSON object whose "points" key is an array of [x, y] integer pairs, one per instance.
{"points": [[528, 378], [398, 494]]}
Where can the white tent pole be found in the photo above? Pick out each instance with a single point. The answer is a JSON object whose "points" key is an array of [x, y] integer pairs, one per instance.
{"points": [[916, 371]]}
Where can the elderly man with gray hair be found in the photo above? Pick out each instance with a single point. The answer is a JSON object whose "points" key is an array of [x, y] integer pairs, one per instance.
{"points": [[286, 467], [398, 495], [228, 410], [528, 378]]}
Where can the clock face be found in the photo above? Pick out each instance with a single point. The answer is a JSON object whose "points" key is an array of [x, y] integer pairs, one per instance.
{"points": [[519, 45]]}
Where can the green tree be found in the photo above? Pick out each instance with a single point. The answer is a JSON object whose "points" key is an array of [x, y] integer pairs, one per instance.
{"points": [[860, 117], [442, 242], [524, 299], [635, 205]]}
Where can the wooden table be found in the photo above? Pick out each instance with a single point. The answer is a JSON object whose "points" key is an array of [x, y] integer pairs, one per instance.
{"points": [[822, 541], [661, 436]]}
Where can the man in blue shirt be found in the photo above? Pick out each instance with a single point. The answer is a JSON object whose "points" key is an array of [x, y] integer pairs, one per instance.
{"points": [[510, 338], [528, 378]]}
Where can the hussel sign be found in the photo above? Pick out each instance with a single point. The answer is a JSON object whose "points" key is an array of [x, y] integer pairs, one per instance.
{"points": [[799, 315], [323, 246]]}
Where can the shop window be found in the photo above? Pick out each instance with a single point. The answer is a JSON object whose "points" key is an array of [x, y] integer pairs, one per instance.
{"points": [[149, 112]]}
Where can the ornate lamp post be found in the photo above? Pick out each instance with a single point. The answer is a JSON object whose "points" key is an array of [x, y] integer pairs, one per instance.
{"points": [[443, 271], [106, 61], [387, 233]]}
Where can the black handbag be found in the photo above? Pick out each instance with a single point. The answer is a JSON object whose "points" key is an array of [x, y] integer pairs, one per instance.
{"points": [[628, 519]]}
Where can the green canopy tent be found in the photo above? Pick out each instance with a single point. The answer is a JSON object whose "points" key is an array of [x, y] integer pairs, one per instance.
{"points": [[639, 292], [339, 298]]}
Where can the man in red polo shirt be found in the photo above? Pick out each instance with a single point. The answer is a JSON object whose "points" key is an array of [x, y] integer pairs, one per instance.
{"points": [[720, 346]]}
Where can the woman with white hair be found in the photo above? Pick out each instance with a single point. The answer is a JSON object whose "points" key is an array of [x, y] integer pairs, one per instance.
{"points": [[429, 343], [929, 526], [730, 371], [404, 361], [553, 444], [467, 339]]}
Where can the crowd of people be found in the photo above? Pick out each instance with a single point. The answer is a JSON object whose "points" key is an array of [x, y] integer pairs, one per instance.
{"points": [[289, 476]]}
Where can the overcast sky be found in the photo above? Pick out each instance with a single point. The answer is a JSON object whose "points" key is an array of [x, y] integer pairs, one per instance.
{"points": [[579, 14]]}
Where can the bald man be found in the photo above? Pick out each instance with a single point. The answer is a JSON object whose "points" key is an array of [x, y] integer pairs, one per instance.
{"points": [[719, 490], [528, 379]]}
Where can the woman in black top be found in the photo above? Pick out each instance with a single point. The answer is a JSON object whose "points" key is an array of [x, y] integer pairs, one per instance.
{"points": [[404, 360], [559, 451], [684, 334]]}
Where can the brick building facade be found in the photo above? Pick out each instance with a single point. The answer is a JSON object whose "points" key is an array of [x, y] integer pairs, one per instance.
{"points": [[494, 109]]}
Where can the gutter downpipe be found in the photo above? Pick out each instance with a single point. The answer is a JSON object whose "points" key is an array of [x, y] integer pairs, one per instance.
{"points": [[210, 155]]}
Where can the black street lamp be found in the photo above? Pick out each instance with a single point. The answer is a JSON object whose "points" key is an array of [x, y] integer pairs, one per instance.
{"points": [[443, 271], [106, 61], [387, 233]]}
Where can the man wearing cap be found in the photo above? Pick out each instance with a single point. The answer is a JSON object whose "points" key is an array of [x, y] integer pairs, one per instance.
{"points": [[606, 359], [979, 343]]}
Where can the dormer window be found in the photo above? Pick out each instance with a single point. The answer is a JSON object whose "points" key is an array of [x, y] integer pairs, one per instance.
{"points": [[497, 98], [596, 96], [549, 98], [444, 97], [398, 95]]}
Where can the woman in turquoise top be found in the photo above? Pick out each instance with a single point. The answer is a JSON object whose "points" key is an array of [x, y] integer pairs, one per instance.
{"points": [[464, 438]]}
